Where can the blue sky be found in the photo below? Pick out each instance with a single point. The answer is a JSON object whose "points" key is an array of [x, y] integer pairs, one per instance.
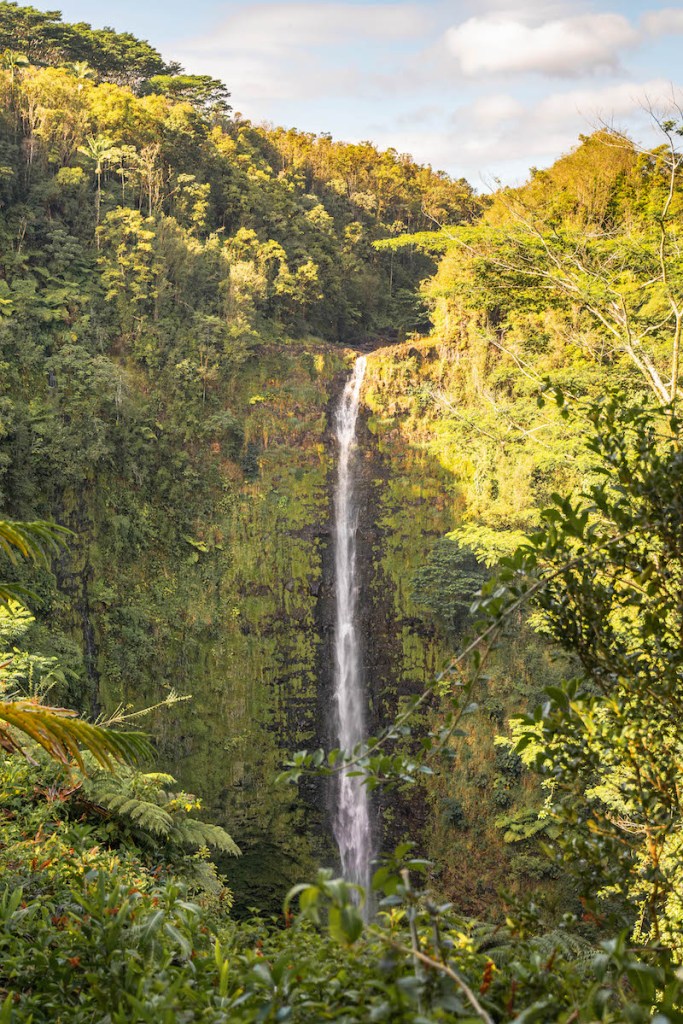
{"points": [[479, 88]]}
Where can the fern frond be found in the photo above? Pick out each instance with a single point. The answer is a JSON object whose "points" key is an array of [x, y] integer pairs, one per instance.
{"points": [[114, 794], [147, 815], [154, 812], [570, 947], [61, 734], [193, 832], [150, 817], [158, 779]]}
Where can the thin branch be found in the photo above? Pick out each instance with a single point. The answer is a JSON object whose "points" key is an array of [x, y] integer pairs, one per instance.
{"points": [[675, 357], [443, 968], [440, 397]]}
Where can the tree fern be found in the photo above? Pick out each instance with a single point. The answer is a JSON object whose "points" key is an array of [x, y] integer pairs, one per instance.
{"points": [[568, 945], [203, 833], [151, 811], [503, 948]]}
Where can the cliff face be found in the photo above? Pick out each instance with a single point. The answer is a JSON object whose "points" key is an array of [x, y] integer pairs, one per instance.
{"points": [[242, 599], [202, 563], [449, 497], [399, 647], [260, 661], [206, 568]]}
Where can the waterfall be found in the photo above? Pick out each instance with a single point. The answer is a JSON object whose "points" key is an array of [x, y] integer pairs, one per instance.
{"points": [[352, 817]]}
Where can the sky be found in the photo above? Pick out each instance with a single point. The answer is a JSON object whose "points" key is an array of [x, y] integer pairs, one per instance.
{"points": [[483, 89]]}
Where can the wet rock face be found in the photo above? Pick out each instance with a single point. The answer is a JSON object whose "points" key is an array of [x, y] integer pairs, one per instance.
{"points": [[389, 672], [325, 791], [377, 618]]}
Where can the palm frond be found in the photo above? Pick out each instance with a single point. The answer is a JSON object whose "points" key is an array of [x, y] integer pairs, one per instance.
{"points": [[13, 594], [57, 730], [62, 734], [37, 540]]}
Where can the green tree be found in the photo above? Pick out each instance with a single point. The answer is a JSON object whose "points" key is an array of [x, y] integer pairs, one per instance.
{"points": [[38, 34], [447, 584], [209, 95], [14, 62], [99, 150], [45, 39], [606, 572], [622, 267], [128, 264]]}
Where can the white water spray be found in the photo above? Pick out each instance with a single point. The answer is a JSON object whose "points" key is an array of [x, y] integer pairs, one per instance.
{"points": [[352, 818]]}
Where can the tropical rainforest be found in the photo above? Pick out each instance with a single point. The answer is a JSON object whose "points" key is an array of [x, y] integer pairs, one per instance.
{"points": [[183, 295]]}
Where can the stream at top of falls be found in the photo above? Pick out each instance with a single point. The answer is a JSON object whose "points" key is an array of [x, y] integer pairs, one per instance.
{"points": [[351, 820]]}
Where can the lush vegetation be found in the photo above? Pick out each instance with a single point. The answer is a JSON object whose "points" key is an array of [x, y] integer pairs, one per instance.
{"points": [[98, 920], [180, 292]]}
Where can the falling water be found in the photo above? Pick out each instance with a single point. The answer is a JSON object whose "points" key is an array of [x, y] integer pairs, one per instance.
{"points": [[352, 818]]}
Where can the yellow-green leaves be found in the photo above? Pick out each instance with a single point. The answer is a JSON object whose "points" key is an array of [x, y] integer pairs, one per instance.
{"points": [[62, 734]]}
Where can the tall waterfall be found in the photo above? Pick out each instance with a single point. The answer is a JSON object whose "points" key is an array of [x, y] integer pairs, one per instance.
{"points": [[352, 818]]}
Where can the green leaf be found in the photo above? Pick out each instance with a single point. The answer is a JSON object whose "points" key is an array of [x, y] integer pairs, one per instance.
{"points": [[345, 924]]}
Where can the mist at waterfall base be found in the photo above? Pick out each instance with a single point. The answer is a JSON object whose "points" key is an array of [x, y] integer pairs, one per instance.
{"points": [[351, 821]]}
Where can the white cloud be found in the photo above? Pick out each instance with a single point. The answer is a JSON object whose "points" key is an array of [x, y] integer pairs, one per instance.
{"points": [[261, 83], [666, 21], [600, 106], [566, 46], [497, 136], [496, 108], [426, 114], [277, 28], [529, 10]]}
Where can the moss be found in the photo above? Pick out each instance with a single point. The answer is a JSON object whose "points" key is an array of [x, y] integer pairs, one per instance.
{"points": [[202, 570]]}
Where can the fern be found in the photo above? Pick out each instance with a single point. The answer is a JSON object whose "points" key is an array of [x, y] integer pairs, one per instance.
{"points": [[502, 946], [144, 804], [204, 833], [524, 824], [146, 815], [567, 945]]}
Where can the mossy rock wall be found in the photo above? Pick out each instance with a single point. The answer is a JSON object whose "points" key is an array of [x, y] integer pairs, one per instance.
{"points": [[224, 609]]}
